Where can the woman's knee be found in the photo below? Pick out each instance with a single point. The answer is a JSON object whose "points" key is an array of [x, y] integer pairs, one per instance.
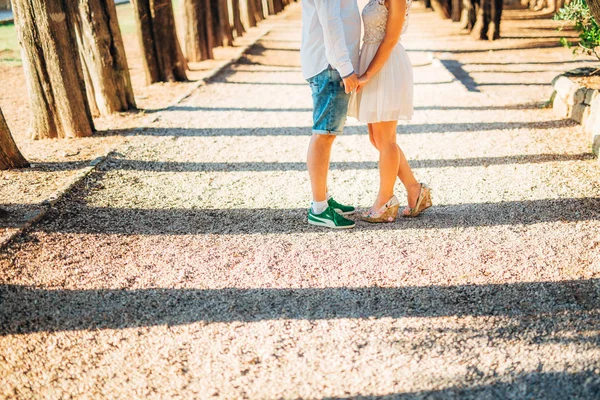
{"points": [[385, 140]]}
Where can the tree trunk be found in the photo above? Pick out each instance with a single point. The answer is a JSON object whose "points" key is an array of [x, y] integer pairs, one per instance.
{"points": [[469, 15], [489, 14], [277, 6], [198, 37], [10, 156], [495, 18], [216, 22], [108, 83], [442, 7], [251, 12], [456, 10], [556, 5], [258, 10], [53, 72], [594, 6], [162, 55], [427, 3], [238, 26], [226, 27], [482, 23], [255, 11]]}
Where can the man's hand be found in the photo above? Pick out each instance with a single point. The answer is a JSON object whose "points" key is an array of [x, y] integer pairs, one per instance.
{"points": [[350, 83]]}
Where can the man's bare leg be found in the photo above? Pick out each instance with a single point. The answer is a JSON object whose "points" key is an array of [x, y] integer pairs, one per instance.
{"points": [[319, 152]]}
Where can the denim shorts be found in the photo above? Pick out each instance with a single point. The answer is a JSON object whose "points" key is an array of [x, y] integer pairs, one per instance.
{"points": [[330, 102]]}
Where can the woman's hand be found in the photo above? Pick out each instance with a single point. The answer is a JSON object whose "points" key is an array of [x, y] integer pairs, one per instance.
{"points": [[362, 81]]}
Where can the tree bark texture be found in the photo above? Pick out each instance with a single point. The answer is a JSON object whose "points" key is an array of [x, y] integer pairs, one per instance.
{"points": [[53, 71], [238, 26], [594, 6], [251, 12], [215, 22], [456, 10], [495, 18], [487, 25], [199, 40], [105, 68], [482, 21], [468, 15], [442, 7], [10, 156], [226, 28], [162, 55]]}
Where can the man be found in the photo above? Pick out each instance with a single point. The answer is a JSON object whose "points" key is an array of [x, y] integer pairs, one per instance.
{"points": [[329, 52]]}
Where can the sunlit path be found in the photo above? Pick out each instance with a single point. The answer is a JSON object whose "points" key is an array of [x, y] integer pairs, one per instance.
{"points": [[184, 266]]}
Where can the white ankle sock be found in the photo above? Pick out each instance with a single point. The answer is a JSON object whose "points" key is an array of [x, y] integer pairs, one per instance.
{"points": [[328, 196], [319, 206]]}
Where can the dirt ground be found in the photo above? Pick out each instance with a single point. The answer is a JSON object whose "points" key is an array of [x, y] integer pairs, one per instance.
{"points": [[184, 267], [55, 163]]}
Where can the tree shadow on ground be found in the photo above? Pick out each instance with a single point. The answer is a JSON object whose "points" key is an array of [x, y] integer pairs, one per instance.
{"points": [[262, 166], [534, 385], [76, 216], [564, 311], [526, 45], [404, 129], [524, 106]]}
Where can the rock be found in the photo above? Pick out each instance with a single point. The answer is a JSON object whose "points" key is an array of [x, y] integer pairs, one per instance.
{"points": [[585, 115], [560, 107], [590, 95], [592, 124], [572, 92], [579, 112]]}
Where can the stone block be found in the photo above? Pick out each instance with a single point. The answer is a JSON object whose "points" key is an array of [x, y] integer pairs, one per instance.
{"points": [[596, 145], [592, 127], [572, 92], [578, 111], [586, 114], [590, 95], [560, 107]]}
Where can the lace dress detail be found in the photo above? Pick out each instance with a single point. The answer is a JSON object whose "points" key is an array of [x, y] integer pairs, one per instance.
{"points": [[389, 95], [375, 16]]}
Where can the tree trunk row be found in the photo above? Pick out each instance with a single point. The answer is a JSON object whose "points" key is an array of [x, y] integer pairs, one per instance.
{"points": [[479, 17], [212, 23], [75, 64], [162, 56]]}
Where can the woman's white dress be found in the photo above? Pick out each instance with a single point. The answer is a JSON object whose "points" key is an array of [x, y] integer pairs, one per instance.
{"points": [[389, 95]]}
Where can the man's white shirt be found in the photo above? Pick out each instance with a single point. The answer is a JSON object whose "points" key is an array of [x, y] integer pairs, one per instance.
{"points": [[330, 36]]}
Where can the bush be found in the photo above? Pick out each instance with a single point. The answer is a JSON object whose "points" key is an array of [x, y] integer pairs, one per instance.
{"points": [[589, 31]]}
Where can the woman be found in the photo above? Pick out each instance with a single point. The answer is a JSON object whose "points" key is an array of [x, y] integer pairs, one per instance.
{"points": [[384, 96]]}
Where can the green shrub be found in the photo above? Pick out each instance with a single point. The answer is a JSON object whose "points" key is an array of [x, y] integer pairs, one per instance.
{"points": [[589, 31]]}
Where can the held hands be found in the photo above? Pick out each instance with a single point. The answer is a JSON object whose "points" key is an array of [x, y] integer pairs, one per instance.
{"points": [[350, 83], [362, 81]]}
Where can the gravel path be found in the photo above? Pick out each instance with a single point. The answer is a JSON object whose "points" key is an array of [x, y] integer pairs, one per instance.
{"points": [[184, 268]]}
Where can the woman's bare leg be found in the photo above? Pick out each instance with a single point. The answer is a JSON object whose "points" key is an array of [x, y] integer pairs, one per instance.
{"points": [[384, 135], [405, 173]]}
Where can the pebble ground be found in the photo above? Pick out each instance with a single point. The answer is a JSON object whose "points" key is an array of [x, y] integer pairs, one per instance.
{"points": [[184, 266]]}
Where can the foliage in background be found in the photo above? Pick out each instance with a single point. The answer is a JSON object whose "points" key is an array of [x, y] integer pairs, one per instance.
{"points": [[589, 31]]}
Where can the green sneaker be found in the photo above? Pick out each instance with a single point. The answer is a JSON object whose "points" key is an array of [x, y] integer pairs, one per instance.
{"points": [[340, 208], [329, 219]]}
